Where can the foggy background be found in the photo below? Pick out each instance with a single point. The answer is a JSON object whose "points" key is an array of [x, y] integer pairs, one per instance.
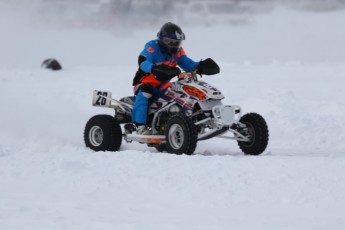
{"points": [[88, 32], [121, 14]]}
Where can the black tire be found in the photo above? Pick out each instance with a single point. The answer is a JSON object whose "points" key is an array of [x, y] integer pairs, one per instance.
{"points": [[103, 133], [161, 148], [181, 135], [257, 130], [52, 64]]}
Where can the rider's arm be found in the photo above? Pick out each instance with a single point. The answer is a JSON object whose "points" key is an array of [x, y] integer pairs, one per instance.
{"points": [[147, 55], [185, 62]]}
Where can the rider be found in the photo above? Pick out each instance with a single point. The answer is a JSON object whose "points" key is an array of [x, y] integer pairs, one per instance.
{"points": [[157, 66]]}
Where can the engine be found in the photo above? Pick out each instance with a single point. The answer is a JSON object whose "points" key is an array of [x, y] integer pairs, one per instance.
{"points": [[164, 117]]}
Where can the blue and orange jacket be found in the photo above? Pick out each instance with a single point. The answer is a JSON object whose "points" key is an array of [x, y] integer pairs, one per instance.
{"points": [[153, 55]]}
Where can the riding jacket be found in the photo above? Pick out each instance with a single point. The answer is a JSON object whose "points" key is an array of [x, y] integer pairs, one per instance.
{"points": [[153, 55]]}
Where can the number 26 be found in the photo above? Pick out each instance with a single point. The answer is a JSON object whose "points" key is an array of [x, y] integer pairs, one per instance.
{"points": [[101, 100]]}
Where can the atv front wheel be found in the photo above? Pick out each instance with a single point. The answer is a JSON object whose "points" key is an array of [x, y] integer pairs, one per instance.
{"points": [[103, 133], [181, 135], [161, 147], [257, 131]]}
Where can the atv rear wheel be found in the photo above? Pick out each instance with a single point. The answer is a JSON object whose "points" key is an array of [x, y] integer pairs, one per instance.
{"points": [[257, 131], [103, 133], [181, 135]]}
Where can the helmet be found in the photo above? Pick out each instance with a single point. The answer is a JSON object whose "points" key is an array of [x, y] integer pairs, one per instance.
{"points": [[170, 37]]}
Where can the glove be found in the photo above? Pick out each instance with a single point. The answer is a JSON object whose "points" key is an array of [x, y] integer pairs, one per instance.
{"points": [[208, 67], [164, 72]]}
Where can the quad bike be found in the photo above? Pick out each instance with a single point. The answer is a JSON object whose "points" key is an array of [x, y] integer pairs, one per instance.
{"points": [[190, 111]]}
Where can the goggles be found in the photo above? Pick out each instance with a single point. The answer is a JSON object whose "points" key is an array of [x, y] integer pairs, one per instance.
{"points": [[171, 42]]}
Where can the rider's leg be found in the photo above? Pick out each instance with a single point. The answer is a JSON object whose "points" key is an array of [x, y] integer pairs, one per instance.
{"points": [[140, 108], [156, 94]]}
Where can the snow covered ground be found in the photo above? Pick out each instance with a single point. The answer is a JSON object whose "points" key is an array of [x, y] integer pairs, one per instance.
{"points": [[288, 66]]}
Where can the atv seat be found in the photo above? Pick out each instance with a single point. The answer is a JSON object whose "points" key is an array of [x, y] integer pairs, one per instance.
{"points": [[129, 100], [153, 106]]}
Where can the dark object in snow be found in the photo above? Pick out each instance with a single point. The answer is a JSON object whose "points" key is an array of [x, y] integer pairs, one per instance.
{"points": [[51, 64]]}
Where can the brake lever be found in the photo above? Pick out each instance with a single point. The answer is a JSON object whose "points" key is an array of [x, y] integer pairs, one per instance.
{"points": [[195, 72]]}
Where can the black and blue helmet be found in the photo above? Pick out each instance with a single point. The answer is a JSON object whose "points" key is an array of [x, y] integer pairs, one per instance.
{"points": [[170, 38]]}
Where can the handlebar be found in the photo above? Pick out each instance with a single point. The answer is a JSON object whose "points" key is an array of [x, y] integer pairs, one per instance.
{"points": [[188, 75]]}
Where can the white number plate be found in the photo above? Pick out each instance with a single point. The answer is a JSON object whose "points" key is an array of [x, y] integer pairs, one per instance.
{"points": [[101, 98]]}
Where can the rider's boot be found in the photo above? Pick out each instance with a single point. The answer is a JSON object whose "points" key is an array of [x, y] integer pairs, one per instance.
{"points": [[143, 130]]}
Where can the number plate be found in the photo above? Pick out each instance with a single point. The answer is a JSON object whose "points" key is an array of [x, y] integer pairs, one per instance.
{"points": [[101, 98]]}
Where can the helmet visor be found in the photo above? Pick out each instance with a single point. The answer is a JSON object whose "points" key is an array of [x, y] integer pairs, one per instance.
{"points": [[174, 43]]}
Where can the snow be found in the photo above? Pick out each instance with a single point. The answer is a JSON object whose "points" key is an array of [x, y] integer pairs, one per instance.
{"points": [[288, 66]]}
